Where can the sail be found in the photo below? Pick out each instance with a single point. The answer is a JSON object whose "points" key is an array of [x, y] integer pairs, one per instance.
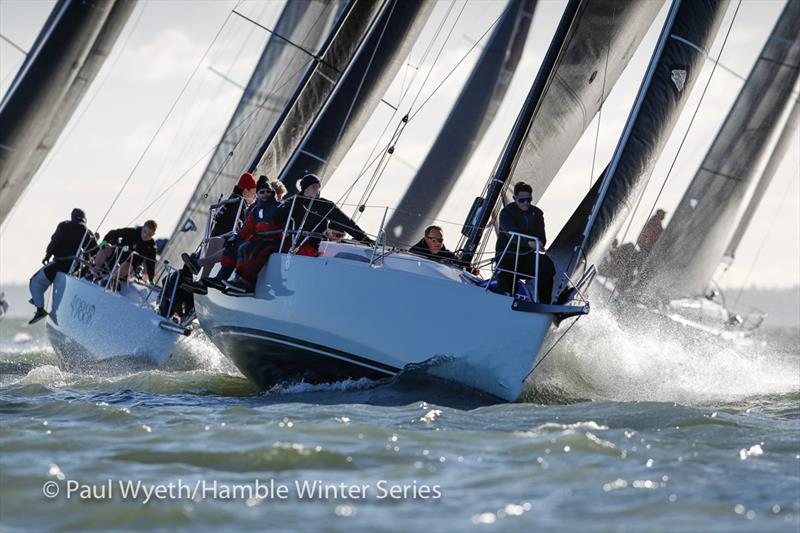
{"points": [[594, 41], [693, 244], [337, 105], [471, 115], [674, 68], [63, 61], [284, 64], [605, 37], [775, 159]]}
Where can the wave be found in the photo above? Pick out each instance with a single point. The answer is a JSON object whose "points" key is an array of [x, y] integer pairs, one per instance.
{"points": [[601, 359]]}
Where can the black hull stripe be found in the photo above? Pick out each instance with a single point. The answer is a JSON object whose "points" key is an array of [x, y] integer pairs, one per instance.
{"points": [[318, 348]]}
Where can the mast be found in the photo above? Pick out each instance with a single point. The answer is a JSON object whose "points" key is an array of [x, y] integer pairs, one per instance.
{"points": [[692, 246], [593, 36], [674, 68], [471, 115], [63, 61]]}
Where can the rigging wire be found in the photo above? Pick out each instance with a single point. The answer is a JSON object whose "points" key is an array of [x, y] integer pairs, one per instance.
{"points": [[389, 150], [369, 161], [683, 140], [248, 120], [600, 111], [542, 358], [163, 122]]}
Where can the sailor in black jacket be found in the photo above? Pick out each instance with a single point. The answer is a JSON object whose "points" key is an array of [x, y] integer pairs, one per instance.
{"points": [[521, 216], [138, 239], [431, 246], [318, 215], [63, 246]]}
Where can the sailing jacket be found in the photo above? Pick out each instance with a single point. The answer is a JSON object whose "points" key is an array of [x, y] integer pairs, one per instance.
{"points": [[261, 217], [530, 222], [64, 244], [225, 219], [132, 238], [316, 215], [443, 256]]}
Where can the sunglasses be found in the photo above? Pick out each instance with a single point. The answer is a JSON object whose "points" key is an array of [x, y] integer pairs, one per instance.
{"points": [[265, 191], [525, 200], [435, 239]]}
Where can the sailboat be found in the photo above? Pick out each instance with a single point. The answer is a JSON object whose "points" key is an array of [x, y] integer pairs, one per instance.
{"points": [[61, 65], [358, 310], [90, 322], [722, 198]]}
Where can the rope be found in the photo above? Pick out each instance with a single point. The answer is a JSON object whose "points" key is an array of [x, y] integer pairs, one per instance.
{"points": [[683, 140], [164, 121]]}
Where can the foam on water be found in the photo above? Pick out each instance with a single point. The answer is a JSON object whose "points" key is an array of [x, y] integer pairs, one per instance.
{"points": [[197, 352], [338, 386], [600, 359]]}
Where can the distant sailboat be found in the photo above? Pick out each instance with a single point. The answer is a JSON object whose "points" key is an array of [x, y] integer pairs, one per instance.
{"points": [[720, 201], [61, 65]]}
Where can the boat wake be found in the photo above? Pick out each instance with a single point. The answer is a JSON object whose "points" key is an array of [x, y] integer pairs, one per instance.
{"points": [[600, 360]]}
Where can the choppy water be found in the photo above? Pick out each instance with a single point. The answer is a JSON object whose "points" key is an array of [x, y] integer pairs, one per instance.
{"points": [[620, 431]]}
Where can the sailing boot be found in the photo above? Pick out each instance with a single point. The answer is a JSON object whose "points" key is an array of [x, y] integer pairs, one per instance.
{"points": [[40, 314]]}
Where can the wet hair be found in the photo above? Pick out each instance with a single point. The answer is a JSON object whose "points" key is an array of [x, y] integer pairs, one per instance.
{"points": [[521, 186], [151, 224], [431, 228]]}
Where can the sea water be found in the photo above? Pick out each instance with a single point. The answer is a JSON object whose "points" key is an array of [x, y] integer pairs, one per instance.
{"points": [[619, 429]]}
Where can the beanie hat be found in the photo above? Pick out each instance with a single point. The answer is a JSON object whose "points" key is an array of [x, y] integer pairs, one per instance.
{"points": [[307, 181], [263, 183], [246, 181], [78, 215]]}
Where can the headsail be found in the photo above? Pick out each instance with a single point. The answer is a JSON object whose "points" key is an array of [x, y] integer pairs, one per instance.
{"points": [[325, 121], [594, 36], [470, 117], [285, 63], [64, 60], [693, 244], [674, 68]]}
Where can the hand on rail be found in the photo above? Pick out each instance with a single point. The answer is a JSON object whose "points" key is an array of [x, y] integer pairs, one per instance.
{"points": [[333, 235]]}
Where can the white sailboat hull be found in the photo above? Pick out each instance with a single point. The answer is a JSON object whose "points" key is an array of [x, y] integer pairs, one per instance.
{"points": [[88, 324], [337, 316]]}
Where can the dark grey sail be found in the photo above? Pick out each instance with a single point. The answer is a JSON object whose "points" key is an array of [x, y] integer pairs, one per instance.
{"points": [[325, 121], [286, 62], [594, 42], [674, 68], [693, 244], [471, 115], [787, 138], [63, 61]]}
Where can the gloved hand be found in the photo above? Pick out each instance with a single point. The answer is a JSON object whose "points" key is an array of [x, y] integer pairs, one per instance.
{"points": [[46, 259]]}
